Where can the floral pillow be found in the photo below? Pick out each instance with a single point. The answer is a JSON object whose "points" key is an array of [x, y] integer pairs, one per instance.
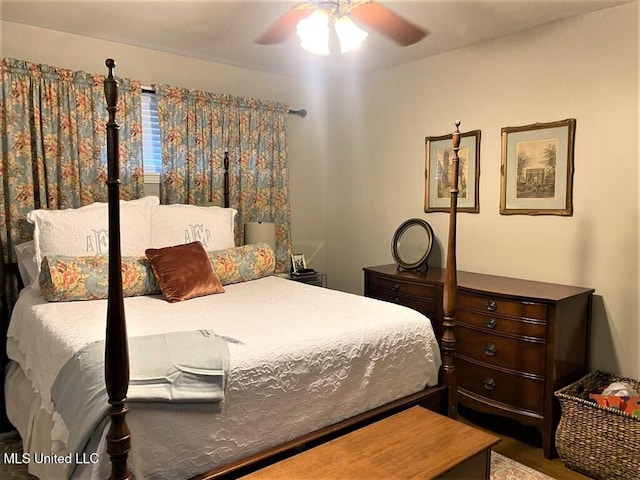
{"points": [[64, 278], [67, 278], [240, 264]]}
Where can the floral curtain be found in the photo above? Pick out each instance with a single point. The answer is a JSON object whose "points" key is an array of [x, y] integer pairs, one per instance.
{"points": [[53, 152], [196, 129]]}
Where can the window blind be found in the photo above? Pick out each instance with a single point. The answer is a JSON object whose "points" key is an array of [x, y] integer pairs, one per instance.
{"points": [[151, 154]]}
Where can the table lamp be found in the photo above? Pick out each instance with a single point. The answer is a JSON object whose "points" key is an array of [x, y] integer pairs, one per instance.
{"points": [[260, 232]]}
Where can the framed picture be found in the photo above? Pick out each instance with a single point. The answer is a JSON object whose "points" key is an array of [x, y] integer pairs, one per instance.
{"points": [[298, 262], [438, 155], [537, 169]]}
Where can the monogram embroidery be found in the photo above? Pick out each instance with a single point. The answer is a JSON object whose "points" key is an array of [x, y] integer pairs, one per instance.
{"points": [[194, 233], [98, 242]]}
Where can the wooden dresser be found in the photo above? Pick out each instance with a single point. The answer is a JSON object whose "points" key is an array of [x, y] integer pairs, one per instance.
{"points": [[517, 341]]}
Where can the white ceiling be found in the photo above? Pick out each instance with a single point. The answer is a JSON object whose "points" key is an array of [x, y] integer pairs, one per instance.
{"points": [[224, 32]]}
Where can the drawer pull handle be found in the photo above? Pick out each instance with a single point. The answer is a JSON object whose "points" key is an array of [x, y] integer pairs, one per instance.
{"points": [[490, 350], [489, 383], [396, 300], [492, 306], [491, 323], [395, 287]]}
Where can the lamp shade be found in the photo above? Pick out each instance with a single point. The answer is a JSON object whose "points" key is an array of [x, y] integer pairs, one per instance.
{"points": [[260, 232]]}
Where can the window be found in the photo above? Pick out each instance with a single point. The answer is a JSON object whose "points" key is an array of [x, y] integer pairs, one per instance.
{"points": [[151, 137]]}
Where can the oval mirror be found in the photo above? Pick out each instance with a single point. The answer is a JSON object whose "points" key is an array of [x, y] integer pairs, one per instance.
{"points": [[412, 243]]}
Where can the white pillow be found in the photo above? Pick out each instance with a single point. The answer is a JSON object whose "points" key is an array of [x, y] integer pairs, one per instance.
{"points": [[84, 231], [178, 224], [27, 266]]}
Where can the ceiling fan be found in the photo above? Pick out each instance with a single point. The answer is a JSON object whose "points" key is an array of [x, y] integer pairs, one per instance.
{"points": [[365, 13]]}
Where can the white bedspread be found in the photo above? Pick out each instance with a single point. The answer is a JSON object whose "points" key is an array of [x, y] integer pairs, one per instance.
{"points": [[301, 358]]}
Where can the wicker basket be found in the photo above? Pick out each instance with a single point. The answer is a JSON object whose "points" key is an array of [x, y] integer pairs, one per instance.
{"points": [[600, 442]]}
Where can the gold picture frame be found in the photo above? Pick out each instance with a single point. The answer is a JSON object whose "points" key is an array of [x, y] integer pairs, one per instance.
{"points": [[536, 173], [438, 152]]}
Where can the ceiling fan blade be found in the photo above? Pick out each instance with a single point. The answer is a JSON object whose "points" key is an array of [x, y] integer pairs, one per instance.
{"points": [[388, 23], [283, 27]]}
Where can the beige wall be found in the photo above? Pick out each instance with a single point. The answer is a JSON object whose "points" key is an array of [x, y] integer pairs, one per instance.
{"points": [[585, 68], [307, 136]]}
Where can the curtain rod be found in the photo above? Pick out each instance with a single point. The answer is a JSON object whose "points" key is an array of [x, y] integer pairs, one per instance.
{"points": [[302, 112]]}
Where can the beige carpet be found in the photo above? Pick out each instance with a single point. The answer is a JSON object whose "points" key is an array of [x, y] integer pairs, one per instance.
{"points": [[502, 468]]}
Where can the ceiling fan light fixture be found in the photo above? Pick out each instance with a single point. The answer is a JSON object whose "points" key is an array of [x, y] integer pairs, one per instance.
{"points": [[314, 19], [314, 32], [349, 34]]}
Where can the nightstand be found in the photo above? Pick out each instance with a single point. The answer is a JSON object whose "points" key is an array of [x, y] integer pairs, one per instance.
{"points": [[319, 279]]}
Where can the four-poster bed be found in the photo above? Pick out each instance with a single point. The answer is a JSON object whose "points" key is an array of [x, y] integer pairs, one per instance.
{"points": [[411, 374]]}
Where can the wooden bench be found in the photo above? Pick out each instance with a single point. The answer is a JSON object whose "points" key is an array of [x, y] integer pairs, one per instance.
{"points": [[413, 444]]}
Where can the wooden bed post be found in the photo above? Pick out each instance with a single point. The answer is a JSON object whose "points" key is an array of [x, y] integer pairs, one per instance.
{"points": [[116, 357], [225, 164], [451, 286]]}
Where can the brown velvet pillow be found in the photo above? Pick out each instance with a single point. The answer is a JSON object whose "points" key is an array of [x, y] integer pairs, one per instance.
{"points": [[183, 271]]}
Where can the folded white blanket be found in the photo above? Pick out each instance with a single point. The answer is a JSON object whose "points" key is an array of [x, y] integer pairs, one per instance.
{"points": [[189, 367]]}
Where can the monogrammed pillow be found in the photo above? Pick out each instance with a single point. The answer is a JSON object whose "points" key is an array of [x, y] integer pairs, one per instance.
{"points": [[77, 232], [178, 224]]}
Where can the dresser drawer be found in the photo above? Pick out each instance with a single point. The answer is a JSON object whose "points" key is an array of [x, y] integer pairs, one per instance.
{"points": [[423, 305], [502, 307], [501, 351], [512, 326], [495, 385], [399, 287]]}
